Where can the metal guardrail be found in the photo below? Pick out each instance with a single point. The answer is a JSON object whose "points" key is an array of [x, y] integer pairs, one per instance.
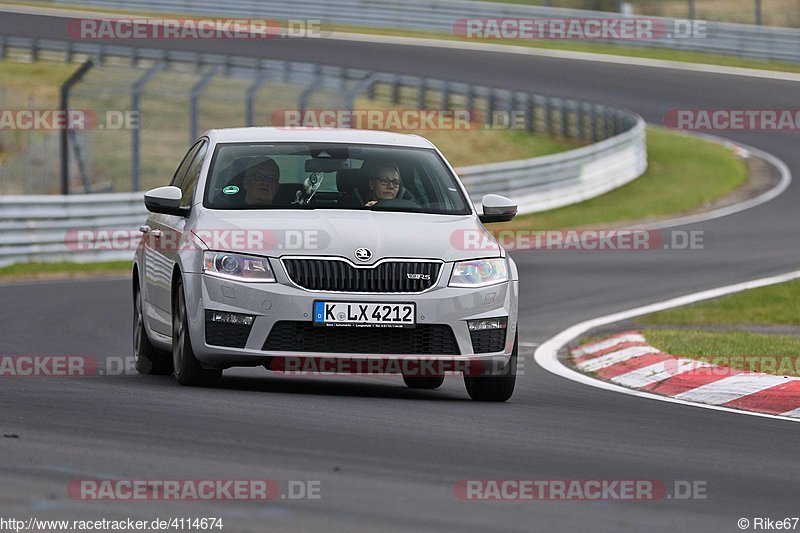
{"points": [[743, 40], [42, 228]]}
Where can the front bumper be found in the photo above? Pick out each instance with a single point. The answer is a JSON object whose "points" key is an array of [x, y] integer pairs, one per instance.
{"points": [[282, 301]]}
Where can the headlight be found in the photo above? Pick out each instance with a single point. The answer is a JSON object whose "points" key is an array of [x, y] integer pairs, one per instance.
{"points": [[237, 266], [479, 273]]}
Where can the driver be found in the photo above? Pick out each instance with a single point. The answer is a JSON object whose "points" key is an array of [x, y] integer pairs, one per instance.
{"points": [[384, 184], [261, 182]]}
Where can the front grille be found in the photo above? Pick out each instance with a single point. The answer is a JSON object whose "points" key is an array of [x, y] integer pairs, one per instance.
{"points": [[227, 335], [488, 340], [299, 336], [341, 276]]}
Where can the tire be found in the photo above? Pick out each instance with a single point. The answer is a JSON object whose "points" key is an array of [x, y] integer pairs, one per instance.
{"points": [[188, 370], [498, 387], [432, 382], [147, 358]]}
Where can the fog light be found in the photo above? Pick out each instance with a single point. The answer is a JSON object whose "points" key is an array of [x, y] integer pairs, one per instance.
{"points": [[487, 323], [231, 318]]}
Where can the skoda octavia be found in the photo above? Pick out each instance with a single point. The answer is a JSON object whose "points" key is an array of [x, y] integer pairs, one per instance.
{"points": [[332, 250]]}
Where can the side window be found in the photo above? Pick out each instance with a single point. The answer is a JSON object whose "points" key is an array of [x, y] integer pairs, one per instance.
{"points": [[189, 183], [177, 178]]}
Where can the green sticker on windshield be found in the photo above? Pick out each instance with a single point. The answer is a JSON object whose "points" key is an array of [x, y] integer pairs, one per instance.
{"points": [[230, 189]]}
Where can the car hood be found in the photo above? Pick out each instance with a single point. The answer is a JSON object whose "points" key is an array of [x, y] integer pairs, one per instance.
{"points": [[332, 232]]}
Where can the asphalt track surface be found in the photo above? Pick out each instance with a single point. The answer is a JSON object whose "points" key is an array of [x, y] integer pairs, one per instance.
{"points": [[387, 456]]}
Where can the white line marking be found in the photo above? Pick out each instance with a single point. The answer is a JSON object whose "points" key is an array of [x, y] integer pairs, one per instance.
{"points": [[648, 375], [604, 361], [546, 355], [727, 389], [590, 349]]}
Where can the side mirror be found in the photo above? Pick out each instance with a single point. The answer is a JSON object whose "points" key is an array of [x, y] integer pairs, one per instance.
{"points": [[165, 200], [497, 208]]}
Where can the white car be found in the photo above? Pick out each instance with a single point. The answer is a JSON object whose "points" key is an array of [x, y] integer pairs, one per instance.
{"points": [[331, 250]]}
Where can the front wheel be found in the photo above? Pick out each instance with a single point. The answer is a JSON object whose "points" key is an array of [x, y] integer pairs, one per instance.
{"points": [[497, 387], [188, 370]]}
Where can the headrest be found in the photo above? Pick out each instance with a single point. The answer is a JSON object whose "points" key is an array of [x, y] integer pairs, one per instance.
{"points": [[350, 178]]}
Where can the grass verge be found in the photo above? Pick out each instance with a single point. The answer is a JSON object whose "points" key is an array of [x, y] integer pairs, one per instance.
{"points": [[683, 173], [63, 269], [742, 350], [766, 306], [741, 331]]}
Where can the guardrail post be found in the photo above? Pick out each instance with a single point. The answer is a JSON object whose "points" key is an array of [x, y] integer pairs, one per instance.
{"points": [[2, 47], [446, 95], [351, 95], [195, 95], [396, 89], [35, 50], [135, 57], [287, 72], [136, 91], [101, 55], [527, 103], [302, 100], [69, 52], [65, 89], [371, 90], [252, 91], [422, 89], [491, 104]]}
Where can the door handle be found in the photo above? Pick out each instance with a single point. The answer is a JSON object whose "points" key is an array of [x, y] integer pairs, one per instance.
{"points": [[156, 233], [144, 229]]}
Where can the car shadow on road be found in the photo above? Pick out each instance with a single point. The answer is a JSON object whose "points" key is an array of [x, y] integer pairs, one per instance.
{"points": [[341, 386]]}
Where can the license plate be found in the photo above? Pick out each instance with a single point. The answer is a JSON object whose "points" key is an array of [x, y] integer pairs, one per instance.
{"points": [[392, 315]]}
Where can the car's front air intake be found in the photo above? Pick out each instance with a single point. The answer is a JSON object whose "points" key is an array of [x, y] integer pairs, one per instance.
{"points": [[299, 336], [334, 274]]}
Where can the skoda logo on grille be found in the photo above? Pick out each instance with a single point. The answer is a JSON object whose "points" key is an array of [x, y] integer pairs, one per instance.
{"points": [[363, 254]]}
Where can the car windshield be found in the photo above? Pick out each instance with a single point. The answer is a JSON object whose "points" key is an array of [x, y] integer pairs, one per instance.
{"points": [[332, 176]]}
